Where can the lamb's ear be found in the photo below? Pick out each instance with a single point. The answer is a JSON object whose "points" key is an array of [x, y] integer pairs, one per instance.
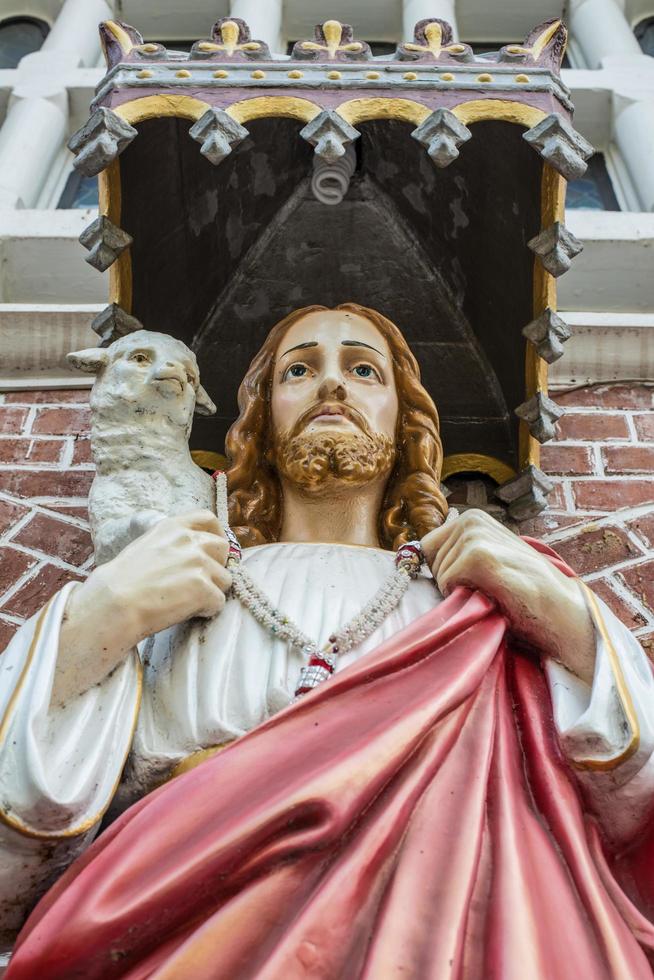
{"points": [[203, 404], [90, 360]]}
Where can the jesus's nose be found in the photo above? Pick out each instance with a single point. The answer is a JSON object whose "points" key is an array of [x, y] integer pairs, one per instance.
{"points": [[333, 388]]}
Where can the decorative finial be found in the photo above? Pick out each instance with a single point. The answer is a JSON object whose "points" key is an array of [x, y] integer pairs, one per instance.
{"points": [[333, 42], [432, 38], [231, 39], [545, 46]]}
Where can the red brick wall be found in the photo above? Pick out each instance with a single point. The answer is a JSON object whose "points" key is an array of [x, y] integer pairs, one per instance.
{"points": [[600, 519]]}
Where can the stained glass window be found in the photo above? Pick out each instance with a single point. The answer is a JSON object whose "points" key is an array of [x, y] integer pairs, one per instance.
{"points": [[79, 192], [645, 35], [593, 191], [20, 36]]}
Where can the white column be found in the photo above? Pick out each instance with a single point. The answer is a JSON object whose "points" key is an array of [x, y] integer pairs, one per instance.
{"points": [[264, 18], [30, 139], [74, 38], [415, 10], [601, 31], [633, 131]]}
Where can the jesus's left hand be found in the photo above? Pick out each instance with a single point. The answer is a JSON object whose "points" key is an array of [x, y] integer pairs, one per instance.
{"points": [[546, 609]]}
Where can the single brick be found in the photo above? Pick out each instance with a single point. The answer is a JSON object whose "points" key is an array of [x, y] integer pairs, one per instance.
{"points": [[622, 609], [605, 495], [62, 421], [7, 631], [595, 548], [67, 396], [628, 459], [12, 420], [593, 428], [645, 426], [13, 565], [619, 396], [643, 526], [74, 511], [9, 514], [556, 499], [34, 593], [646, 641], [57, 538], [548, 523], [82, 452], [31, 450], [640, 579], [46, 483], [566, 459]]}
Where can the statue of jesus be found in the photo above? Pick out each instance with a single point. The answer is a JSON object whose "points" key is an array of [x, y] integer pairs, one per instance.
{"points": [[351, 765]]}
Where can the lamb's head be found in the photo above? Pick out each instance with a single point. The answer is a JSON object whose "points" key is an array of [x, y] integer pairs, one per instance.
{"points": [[147, 372]]}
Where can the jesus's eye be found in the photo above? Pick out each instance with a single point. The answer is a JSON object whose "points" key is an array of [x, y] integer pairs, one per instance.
{"points": [[364, 371], [296, 371]]}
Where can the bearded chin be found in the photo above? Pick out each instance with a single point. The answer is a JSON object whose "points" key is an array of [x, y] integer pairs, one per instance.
{"points": [[315, 460]]}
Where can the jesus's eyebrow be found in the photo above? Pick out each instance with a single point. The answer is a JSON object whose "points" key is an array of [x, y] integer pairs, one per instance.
{"points": [[344, 343], [307, 343], [360, 343]]}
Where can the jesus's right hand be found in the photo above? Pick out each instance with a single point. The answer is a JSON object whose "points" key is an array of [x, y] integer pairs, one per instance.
{"points": [[175, 571]]}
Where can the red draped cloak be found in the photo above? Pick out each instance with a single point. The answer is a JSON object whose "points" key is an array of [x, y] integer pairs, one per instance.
{"points": [[411, 818]]}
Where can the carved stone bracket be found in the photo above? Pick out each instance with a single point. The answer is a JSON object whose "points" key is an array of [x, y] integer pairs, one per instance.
{"points": [[556, 247], [99, 141], [330, 134], [548, 333], [105, 242], [561, 145], [218, 133], [441, 134], [540, 413], [526, 494], [113, 322]]}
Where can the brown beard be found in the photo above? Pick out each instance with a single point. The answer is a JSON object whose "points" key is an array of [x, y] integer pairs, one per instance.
{"points": [[316, 460]]}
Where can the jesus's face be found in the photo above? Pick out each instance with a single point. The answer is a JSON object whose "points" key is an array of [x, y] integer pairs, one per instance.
{"points": [[334, 400]]}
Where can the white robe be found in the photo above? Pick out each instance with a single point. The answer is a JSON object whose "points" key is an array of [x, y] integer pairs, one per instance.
{"points": [[204, 683]]}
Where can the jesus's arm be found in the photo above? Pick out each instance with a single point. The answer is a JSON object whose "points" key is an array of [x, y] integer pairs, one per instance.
{"points": [[600, 679]]}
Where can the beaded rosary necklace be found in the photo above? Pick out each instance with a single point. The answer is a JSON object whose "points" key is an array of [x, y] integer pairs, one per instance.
{"points": [[321, 660]]}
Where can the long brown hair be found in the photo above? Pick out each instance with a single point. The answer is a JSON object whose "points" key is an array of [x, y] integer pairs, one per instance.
{"points": [[413, 502]]}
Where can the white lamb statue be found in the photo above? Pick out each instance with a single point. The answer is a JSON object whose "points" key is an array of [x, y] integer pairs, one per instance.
{"points": [[146, 389]]}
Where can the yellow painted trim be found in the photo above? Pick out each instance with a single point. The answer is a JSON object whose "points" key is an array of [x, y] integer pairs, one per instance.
{"points": [[362, 110], [110, 204], [158, 106], [503, 110], [269, 106], [553, 188], [477, 463], [193, 760], [14, 822], [407, 110], [626, 702], [209, 460]]}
